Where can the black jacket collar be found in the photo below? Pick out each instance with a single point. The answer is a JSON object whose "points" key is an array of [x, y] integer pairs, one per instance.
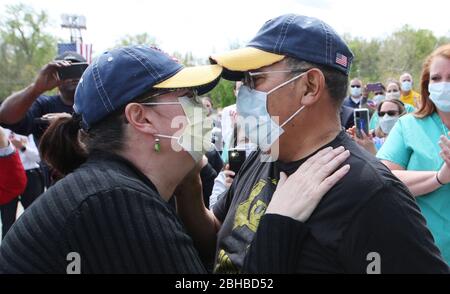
{"points": [[118, 162]]}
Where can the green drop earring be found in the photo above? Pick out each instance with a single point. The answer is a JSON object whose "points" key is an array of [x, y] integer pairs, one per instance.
{"points": [[157, 146]]}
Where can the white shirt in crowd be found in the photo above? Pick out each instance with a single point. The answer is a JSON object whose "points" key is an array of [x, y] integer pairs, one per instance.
{"points": [[30, 157], [7, 151]]}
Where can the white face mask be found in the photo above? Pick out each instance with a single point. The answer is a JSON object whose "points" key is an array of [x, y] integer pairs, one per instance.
{"points": [[393, 96], [378, 99], [406, 86], [195, 138], [387, 123], [252, 107], [440, 95], [355, 92]]}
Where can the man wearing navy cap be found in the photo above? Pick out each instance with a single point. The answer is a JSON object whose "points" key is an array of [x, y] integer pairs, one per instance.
{"points": [[295, 74]]}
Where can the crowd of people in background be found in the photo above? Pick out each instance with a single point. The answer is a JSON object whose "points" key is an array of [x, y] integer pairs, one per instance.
{"points": [[97, 170]]}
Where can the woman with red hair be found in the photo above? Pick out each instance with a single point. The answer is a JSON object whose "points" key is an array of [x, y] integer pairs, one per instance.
{"points": [[418, 148]]}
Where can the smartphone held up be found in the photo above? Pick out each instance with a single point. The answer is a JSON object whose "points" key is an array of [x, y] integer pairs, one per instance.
{"points": [[74, 71], [361, 116], [236, 158]]}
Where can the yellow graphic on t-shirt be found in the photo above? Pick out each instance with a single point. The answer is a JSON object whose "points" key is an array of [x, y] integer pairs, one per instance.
{"points": [[224, 264], [250, 211], [246, 221]]}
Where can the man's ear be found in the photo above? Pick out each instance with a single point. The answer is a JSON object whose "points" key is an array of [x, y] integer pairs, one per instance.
{"points": [[140, 118], [314, 82]]}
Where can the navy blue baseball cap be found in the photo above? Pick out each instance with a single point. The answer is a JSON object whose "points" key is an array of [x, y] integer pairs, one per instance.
{"points": [[301, 37], [117, 77]]}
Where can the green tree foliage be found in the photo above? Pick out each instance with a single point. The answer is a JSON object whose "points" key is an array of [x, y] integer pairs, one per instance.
{"points": [[402, 51], [223, 94], [366, 61], [24, 47]]}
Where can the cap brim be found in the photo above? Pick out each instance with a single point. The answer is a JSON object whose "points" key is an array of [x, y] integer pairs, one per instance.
{"points": [[245, 59], [203, 78]]}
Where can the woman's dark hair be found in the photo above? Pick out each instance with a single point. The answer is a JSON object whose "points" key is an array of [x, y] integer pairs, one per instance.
{"points": [[64, 146]]}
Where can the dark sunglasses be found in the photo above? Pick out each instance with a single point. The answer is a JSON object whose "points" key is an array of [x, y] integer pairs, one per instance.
{"points": [[390, 113], [355, 86]]}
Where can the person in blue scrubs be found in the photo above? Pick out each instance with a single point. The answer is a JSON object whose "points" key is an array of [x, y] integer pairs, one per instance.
{"points": [[390, 111], [418, 148]]}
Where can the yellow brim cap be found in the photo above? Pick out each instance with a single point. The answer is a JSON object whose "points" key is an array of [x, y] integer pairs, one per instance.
{"points": [[192, 77], [244, 59]]}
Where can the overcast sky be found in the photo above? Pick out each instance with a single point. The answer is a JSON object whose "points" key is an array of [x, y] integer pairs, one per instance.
{"points": [[206, 26]]}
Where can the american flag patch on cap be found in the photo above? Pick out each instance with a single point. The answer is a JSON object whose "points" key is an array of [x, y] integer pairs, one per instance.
{"points": [[341, 59]]}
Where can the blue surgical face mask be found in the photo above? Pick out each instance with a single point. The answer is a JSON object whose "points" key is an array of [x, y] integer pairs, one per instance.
{"points": [[406, 86], [387, 123], [440, 95], [378, 99], [258, 125], [355, 92]]}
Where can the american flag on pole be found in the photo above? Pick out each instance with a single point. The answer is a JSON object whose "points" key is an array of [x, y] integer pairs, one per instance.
{"points": [[83, 49], [341, 60]]}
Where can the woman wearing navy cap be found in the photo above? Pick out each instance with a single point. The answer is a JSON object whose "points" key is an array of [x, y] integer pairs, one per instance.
{"points": [[141, 135]]}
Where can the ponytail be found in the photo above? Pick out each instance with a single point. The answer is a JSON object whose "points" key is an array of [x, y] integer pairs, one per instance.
{"points": [[61, 147]]}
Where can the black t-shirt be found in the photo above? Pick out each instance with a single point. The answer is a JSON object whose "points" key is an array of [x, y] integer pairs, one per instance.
{"points": [[368, 211], [43, 105]]}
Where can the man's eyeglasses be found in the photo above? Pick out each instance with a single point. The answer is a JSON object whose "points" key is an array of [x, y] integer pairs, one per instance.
{"points": [[390, 113], [355, 86], [378, 93], [249, 80]]}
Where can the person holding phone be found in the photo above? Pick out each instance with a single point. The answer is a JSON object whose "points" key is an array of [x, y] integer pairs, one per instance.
{"points": [[417, 149], [389, 112], [24, 111], [392, 93], [30, 110], [241, 149]]}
